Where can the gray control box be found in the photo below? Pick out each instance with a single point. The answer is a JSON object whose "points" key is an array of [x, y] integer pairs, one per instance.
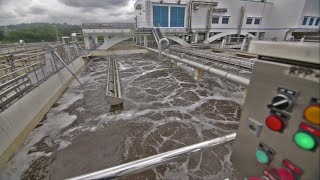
{"points": [[278, 134]]}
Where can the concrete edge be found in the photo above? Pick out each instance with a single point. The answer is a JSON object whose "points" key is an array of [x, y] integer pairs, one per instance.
{"points": [[16, 144]]}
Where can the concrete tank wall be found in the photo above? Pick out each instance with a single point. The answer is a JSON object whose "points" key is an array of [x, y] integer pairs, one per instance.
{"points": [[21, 117]]}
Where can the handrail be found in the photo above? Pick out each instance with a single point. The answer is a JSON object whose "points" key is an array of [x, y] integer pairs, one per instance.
{"points": [[232, 60], [12, 80], [220, 54], [19, 70], [107, 25], [33, 65], [232, 77], [156, 160], [160, 38]]}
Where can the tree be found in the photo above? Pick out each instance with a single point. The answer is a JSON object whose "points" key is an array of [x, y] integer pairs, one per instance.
{"points": [[37, 32], [1, 34]]}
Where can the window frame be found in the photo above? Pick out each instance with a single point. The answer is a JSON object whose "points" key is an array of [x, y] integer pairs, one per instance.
{"points": [[311, 21], [225, 17], [317, 21], [164, 17], [178, 9], [251, 18], [258, 18], [215, 17], [305, 20]]}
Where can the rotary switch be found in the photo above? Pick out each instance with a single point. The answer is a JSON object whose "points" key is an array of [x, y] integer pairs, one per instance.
{"points": [[281, 102]]}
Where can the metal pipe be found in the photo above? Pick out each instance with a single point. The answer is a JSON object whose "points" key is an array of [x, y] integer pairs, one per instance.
{"points": [[242, 11], [166, 45], [160, 46], [209, 20], [232, 60], [218, 72], [114, 77], [118, 80], [156, 160], [189, 15], [108, 80]]}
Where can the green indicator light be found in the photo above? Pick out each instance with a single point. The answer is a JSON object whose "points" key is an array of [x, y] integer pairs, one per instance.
{"points": [[304, 140], [262, 157]]}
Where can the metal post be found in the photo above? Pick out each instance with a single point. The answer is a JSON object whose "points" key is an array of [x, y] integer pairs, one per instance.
{"points": [[84, 52], [65, 65], [35, 72]]}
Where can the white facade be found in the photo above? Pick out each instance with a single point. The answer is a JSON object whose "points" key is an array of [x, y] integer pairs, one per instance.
{"points": [[270, 19]]}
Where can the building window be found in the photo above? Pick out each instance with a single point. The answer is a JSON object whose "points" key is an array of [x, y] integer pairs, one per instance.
{"points": [[160, 16], [305, 20], [257, 20], [215, 19], [177, 16], [225, 20], [253, 33], [311, 21], [317, 21], [249, 21]]}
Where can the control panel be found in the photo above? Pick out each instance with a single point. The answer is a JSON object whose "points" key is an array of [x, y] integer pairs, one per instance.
{"points": [[279, 132]]}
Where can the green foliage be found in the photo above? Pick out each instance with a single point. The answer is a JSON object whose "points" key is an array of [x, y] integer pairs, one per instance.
{"points": [[1, 35], [36, 32]]}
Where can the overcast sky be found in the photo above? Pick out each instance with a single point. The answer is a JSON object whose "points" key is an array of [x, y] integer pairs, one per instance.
{"points": [[65, 11]]}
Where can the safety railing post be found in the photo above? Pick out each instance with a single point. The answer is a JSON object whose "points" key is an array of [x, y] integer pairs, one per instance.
{"points": [[62, 61]]}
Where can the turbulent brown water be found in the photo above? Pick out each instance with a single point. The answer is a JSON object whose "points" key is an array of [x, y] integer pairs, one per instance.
{"points": [[164, 109]]}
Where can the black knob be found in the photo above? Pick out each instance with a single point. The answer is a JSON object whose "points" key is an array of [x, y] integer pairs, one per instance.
{"points": [[280, 101]]}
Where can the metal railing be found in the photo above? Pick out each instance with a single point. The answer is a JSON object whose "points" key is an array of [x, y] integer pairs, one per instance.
{"points": [[19, 65], [160, 38], [14, 88], [19, 74], [310, 39], [221, 73], [18, 48], [235, 62], [108, 26]]}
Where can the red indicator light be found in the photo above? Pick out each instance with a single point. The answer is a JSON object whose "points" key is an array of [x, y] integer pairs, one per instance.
{"points": [[285, 174], [292, 167], [306, 127], [274, 123]]}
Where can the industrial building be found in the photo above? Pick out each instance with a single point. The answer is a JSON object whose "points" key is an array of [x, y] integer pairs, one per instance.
{"points": [[199, 21]]}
